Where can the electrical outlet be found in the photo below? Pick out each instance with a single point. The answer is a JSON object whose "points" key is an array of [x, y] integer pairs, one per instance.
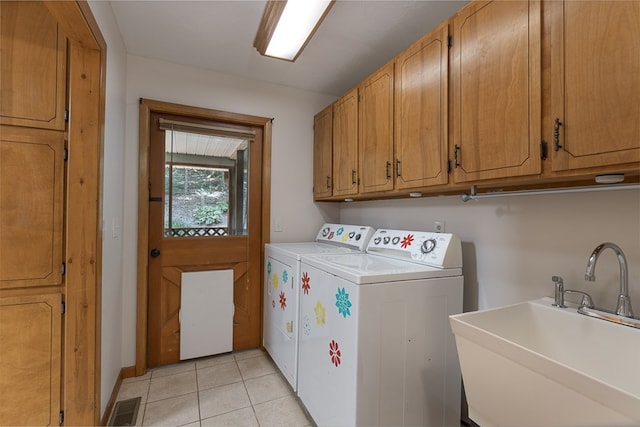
{"points": [[278, 226], [438, 226]]}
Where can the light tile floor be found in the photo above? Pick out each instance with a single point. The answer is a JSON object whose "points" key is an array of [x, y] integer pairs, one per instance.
{"points": [[238, 389]]}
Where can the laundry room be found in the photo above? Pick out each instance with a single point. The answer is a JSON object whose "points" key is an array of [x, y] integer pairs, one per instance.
{"points": [[479, 227]]}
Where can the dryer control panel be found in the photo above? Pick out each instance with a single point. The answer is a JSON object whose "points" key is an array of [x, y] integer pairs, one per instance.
{"points": [[442, 250], [353, 236]]}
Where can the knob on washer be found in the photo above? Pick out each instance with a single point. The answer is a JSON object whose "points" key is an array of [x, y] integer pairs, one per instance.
{"points": [[428, 246]]}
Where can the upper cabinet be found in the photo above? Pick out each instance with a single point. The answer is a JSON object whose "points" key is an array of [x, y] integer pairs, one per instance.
{"points": [[497, 99], [496, 55], [595, 83], [323, 153], [421, 112], [376, 131], [345, 145], [32, 66]]}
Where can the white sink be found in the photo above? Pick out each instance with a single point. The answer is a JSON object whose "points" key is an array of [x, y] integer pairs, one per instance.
{"points": [[538, 365]]}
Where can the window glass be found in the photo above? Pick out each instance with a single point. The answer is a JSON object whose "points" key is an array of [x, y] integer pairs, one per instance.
{"points": [[205, 185]]}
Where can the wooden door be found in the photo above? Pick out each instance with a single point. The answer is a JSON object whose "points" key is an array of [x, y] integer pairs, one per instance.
{"points": [[33, 66], [322, 154], [345, 145], [375, 133], [595, 81], [497, 90], [30, 360], [204, 214], [421, 134]]}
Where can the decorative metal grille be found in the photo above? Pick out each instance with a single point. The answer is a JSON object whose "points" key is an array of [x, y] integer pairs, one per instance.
{"points": [[196, 232]]}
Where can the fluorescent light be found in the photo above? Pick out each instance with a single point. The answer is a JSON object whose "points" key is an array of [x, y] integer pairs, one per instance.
{"points": [[287, 26]]}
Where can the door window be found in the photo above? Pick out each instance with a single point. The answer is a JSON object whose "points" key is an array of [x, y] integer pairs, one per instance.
{"points": [[205, 184]]}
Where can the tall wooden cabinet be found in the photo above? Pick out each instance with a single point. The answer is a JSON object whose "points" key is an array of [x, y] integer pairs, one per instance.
{"points": [[421, 117], [323, 154], [496, 90], [32, 178], [595, 82], [375, 120], [345, 145]]}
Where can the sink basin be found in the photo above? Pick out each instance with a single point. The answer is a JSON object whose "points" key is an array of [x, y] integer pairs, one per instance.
{"points": [[539, 365]]}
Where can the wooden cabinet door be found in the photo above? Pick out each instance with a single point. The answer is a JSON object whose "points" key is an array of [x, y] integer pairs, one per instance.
{"points": [[421, 134], [497, 90], [375, 122], [345, 145], [595, 81], [30, 365], [32, 66], [31, 196], [322, 153]]}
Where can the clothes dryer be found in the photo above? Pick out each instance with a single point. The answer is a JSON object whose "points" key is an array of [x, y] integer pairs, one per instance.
{"points": [[283, 282], [376, 348]]}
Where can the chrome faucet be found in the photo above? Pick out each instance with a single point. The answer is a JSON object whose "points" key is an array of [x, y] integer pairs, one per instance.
{"points": [[624, 302]]}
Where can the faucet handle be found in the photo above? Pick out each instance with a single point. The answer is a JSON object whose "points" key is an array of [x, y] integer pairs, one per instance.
{"points": [[559, 291], [587, 301]]}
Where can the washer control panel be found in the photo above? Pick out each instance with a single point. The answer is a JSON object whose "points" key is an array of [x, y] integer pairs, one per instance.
{"points": [[355, 236], [441, 250]]}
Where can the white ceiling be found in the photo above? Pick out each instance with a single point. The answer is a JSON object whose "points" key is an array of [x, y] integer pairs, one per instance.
{"points": [[356, 38]]}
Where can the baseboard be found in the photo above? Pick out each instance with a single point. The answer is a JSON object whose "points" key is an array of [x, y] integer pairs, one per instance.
{"points": [[128, 372]]}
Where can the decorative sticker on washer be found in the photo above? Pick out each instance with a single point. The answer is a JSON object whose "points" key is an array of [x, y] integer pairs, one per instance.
{"points": [[330, 235], [305, 283], [306, 325], [283, 300], [343, 303], [320, 313], [274, 280], [406, 241], [340, 231], [285, 276], [334, 353], [269, 267], [345, 237]]}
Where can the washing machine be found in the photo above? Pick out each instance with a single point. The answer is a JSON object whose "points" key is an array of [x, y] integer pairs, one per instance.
{"points": [[283, 282], [376, 347]]}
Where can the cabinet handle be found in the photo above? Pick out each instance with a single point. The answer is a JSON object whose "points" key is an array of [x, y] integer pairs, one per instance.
{"points": [[556, 134], [388, 171], [455, 155], [328, 181], [353, 176], [397, 167]]}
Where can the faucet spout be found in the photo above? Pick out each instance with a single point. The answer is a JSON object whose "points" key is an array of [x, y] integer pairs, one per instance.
{"points": [[624, 301]]}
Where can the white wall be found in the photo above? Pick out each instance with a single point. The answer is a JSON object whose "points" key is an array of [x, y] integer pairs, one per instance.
{"points": [[291, 162], [512, 246], [112, 202]]}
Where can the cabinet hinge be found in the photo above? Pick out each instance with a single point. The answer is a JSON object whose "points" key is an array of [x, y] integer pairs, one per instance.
{"points": [[61, 417], [449, 166], [449, 41], [63, 308], [65, 154], [544, 150], [66, 115], [63, 268]]}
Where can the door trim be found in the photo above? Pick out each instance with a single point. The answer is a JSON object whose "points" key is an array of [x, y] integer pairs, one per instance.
{"points": [[81, 380], [146, 107]]}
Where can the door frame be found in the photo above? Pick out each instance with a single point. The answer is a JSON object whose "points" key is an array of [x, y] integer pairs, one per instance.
{"points": [[81, 380], [146, 107]]}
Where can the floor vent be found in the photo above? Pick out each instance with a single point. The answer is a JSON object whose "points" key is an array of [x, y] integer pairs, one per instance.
{"points": [[125, 412]]}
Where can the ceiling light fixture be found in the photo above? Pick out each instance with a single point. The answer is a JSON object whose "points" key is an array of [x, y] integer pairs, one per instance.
{"points": [[288, 25]]}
